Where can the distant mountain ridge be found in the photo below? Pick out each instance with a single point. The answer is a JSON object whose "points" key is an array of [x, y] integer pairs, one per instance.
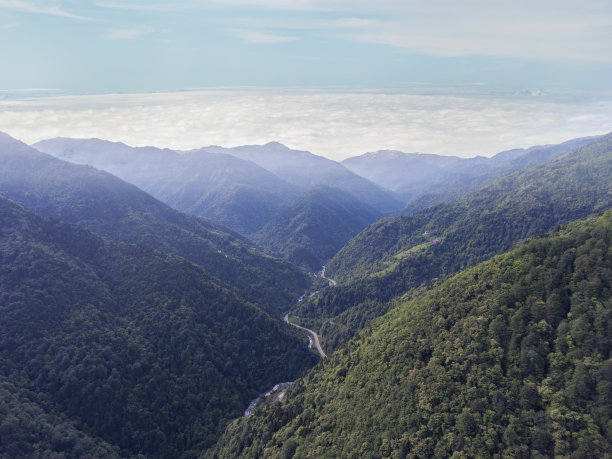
{"points": [[555, 183], [423, 180], [232, 191], [305, 170], [254, 188]]}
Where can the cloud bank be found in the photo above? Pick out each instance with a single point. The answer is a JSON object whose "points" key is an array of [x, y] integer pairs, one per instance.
{"points": [[336, 124]]}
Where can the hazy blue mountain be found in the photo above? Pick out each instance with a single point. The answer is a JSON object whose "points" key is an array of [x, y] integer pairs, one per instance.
{"points": [[313, 229], [305, 170], [234, 192], [541, 153], [120, 211], [406, 173], [423, 180], [142, 349]]}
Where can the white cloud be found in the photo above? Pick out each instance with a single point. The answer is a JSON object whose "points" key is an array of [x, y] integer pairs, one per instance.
{"points": [[127, 34], [422, 7], [255, 37], [508, 35], [551, 30], [34, 7], [515, 29], [335, 124]]}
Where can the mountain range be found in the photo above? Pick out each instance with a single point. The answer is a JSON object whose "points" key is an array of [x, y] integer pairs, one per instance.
{"points": [[245, 188], [464, 304], [305, 170], [237, 193], [423, 180]]}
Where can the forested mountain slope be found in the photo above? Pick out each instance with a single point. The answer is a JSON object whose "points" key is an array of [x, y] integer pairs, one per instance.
{"points": [[394, 256], [141, 349], [237, 193], [28, 430], [120, 211], [312, 230], [510, 358]]}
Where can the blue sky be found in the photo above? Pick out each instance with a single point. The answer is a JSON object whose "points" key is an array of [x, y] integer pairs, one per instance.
{"points": [[134, 46]]}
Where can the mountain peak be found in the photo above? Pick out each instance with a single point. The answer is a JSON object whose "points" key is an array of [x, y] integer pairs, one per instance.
{"points": [[276, 145], [390, 154]]}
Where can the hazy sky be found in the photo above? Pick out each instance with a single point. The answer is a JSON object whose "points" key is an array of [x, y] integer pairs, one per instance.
{"points": [[336, 77], [132, 45]]}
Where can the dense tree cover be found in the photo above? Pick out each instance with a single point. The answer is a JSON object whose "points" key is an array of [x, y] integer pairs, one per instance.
{"points": [[124, 345], [312, 230], [510, 358], [120, 211], [27, 430], [393, 256]]}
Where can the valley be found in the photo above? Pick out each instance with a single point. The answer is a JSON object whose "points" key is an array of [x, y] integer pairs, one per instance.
{"points": [[260, 301], [309, 229]]}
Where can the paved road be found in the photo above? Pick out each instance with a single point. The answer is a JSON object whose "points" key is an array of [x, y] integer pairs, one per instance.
{"points": [[332, 283], [315, 337]]}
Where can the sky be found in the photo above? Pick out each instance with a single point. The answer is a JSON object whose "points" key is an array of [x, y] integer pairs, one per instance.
{"points": [[541, 64]]}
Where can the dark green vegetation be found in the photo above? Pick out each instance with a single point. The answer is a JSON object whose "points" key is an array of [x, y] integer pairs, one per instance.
{"points": [[104, 343], [117, 210], [313, 229], [510, 358], [394, 256], [234, 192], [28, 430]]}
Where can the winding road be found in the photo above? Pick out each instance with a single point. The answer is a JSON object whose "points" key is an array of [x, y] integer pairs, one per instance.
{"points": [[332, 283], [315, 337]]}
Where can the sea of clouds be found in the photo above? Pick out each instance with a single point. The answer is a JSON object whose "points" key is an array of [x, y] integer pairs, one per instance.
{"points": [[334, 123]]}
